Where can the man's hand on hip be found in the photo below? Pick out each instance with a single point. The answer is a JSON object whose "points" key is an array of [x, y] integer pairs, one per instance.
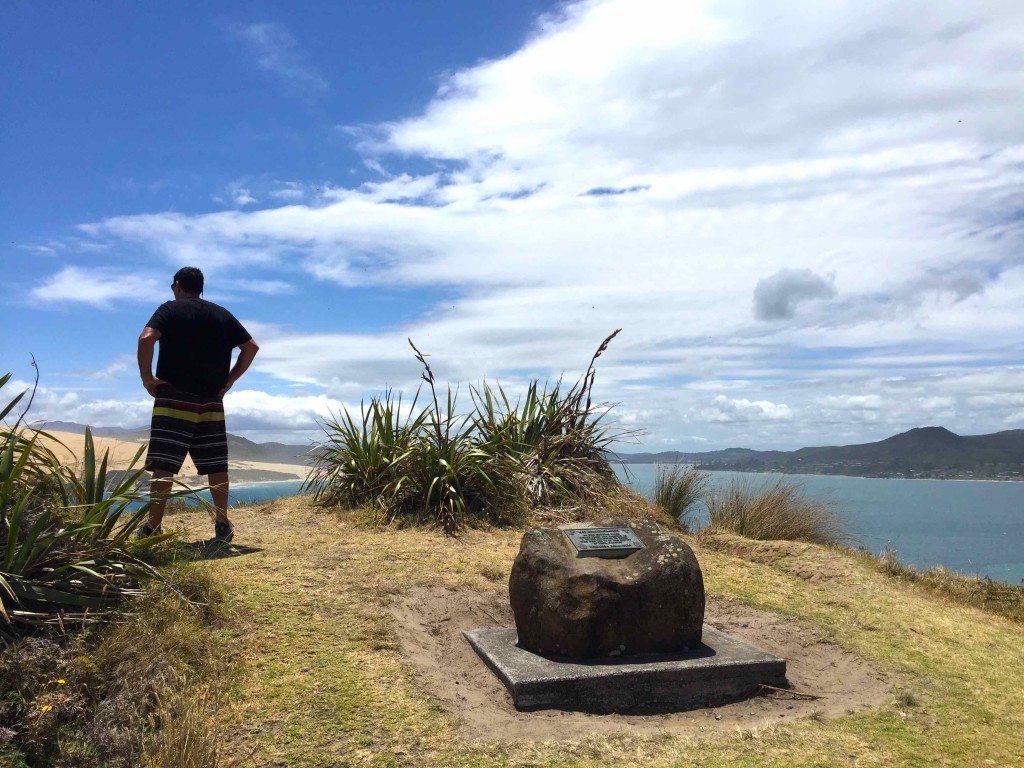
{"points": [[151, 383]]}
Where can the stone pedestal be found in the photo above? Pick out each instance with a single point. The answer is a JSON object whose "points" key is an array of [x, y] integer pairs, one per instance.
{"points": [[723, 669], [651, 601]]}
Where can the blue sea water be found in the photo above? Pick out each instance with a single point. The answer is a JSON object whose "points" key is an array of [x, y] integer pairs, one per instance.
{"points": [[973, 527]]}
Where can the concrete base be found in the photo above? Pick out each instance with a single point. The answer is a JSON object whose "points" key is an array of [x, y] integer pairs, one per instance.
{"points": [[722, 669]]}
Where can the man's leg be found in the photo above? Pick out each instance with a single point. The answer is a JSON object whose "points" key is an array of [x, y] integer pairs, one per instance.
{"points": [[159, 487], [210, 453], [170, 432], [219, 487]]}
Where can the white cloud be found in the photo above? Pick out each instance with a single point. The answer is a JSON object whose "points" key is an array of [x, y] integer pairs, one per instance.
{"points": [[852, 402], [121, 365], [251, 410], [723, 408], [290, 191], [264, 287], [248, 411], [99, 287], [242, 197], [51, 404], [277, 52]]}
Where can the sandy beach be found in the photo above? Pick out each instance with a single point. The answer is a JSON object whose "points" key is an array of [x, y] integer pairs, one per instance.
{"points": [[68, 447]]}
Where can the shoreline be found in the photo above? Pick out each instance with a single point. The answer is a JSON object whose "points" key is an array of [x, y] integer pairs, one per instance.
{"points": [[255, 483], [832, 474]]}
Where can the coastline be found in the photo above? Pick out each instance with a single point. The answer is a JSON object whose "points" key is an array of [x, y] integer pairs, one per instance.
{"points": [[830, 474], [258, 483], [874, 477]]}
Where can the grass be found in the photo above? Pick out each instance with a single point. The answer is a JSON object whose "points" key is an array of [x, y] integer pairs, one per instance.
{"points": [[134, 692], [322, 680], [982, 593], [303, 668], [778, 510], [678, 488]]}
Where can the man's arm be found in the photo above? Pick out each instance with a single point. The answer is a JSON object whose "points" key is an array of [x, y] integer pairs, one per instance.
{"points": [[147, 342], [246, 355]]}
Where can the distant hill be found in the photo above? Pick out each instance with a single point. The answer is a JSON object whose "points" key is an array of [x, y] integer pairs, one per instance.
{"points": [[922, 452], [79, 429], [239, 448]]}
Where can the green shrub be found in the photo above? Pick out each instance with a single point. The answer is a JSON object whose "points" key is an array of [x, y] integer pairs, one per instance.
{"points": [[67, 551], [778, 510], [363, 462], [491, 465], [677, 490]]}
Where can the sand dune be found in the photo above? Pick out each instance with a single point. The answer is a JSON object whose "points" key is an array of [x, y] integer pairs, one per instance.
{"points": [[69, 448]]}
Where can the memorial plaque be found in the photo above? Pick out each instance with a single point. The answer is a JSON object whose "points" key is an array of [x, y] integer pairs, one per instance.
{"points": [[603, 542]]}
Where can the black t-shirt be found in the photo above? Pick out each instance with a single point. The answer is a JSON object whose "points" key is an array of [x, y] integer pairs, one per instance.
{"points": [[196, 339]]}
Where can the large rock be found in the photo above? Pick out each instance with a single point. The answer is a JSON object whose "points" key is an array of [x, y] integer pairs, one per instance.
{"points": [[586, 607]]}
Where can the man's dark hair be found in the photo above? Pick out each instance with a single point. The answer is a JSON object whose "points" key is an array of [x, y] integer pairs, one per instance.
{"points": [[190, 279]]}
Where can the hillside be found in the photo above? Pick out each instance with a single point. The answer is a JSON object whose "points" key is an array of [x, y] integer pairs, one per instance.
{"points": [[347, 650], [923, 452]]}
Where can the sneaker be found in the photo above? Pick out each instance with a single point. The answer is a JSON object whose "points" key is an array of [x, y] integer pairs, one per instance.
{"points": [[223, 532], [146, 530]]}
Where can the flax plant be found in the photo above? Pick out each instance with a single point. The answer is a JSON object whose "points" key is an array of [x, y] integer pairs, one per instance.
{"points": [[552, 454], [490, 465], [66, 547], [365, 461], [454, 471]]}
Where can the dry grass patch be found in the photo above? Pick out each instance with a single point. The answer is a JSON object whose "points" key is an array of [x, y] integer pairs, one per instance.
{"points": [[122, 695], [778, 510]]}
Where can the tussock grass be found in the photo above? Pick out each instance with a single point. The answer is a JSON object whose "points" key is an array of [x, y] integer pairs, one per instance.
{"points": [[678, 488], [181, 730], [779, 510]]}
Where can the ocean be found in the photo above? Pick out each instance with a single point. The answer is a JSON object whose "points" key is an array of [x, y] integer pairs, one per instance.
{"points": [[973, 527]]}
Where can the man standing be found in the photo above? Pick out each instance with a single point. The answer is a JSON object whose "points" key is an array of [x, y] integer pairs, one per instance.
{"points": [[193, 372]]}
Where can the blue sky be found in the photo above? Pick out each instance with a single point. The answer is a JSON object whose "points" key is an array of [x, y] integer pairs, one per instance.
{"points": [[805, 217]]}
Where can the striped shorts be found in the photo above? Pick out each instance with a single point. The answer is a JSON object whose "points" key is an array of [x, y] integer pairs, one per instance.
{"points": [[185, 423]]}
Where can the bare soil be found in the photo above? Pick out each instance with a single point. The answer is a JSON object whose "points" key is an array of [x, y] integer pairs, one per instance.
{"points": [[429, 622]]}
